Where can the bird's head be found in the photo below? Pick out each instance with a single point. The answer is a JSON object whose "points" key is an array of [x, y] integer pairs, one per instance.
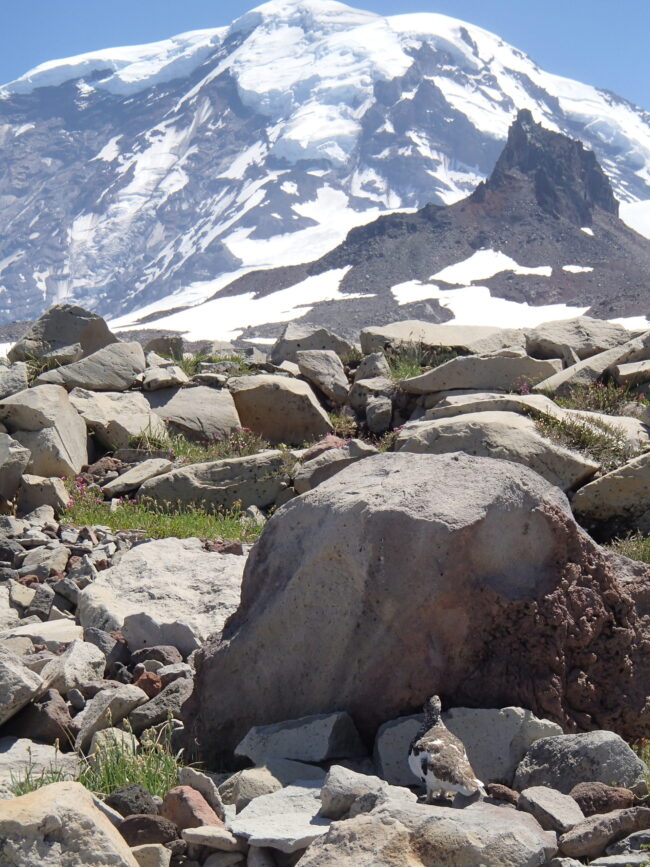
{"points": [[432, 708]]}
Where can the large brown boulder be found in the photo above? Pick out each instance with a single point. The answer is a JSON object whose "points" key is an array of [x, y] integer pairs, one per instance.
{"points": [[409, 574]]}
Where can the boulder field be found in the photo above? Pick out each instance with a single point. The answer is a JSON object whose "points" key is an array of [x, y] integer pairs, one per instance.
{"points": [[409, 574]]}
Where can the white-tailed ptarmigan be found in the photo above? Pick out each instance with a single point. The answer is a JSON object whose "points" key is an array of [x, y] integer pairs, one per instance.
{"points": [[438, 757]]}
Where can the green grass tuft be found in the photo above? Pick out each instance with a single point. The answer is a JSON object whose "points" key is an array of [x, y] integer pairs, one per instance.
{"points": [[595, 439], [607, 398], [241, 443], [344, 426], [636, 546], [412, 359]]}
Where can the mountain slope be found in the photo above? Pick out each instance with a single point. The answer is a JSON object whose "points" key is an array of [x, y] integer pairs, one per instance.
{"points": [[148, 178]]}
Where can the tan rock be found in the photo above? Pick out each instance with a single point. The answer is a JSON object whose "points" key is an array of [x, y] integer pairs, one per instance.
{"points": [[38, 491], [590, 838], [623, 494], [59, 824], [505, 435], [282, 410], [187, 808], [635, 373]]}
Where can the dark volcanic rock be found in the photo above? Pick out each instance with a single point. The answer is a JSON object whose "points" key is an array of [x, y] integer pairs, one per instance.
{"points": [[139, 829], [365, 575], [131, 800]]}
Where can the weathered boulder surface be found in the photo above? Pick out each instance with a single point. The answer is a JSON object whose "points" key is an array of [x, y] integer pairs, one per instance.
{"points": [[13, 459], [60, 824], [13, 378], [115, 417], [505, 435], [19, 755], [254, 480], [43, 420], [200, 412], [58, 330], [364, 570], [466, 338], [481, 371], [324, 369], [194, 592], [113, 368], [281, 409], [296, 337], [586, 336], [622, 495]]}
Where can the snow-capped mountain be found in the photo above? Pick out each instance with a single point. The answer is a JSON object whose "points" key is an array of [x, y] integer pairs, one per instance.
{"points": [[149, 178]]}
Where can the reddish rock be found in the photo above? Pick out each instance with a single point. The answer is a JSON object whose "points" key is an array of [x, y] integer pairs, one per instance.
{"points": [[143, 828], [223, 546], [331, 441], [163, 653], [187, 808], [595, 798], [150, 683]]}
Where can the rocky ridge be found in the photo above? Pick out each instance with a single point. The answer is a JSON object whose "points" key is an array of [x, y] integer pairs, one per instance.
{"points": [[105, 632]]}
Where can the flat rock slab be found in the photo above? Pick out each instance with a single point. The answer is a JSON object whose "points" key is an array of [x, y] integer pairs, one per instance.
{"points": [[466, 338], [589, 838], [17, 755], [482, 371], [194, 592], [200, 412], [136, 476], [310, 739], [553, 810], [623, 494], [113, 368], [287, 820]]}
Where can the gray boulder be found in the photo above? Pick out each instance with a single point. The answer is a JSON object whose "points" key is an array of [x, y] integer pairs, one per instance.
{"points": [[317, 470], [371, 366], [281, 409], [14, 459], [584, 335], [255, 480], [621, 496], [136, 476], [306, 337], [168, 376], [115, 418], [18, 685], [563, 762], [481, 371], [18, 756], [324, 369], [553, 810], [428, 335], [309, 739], [13, 378], [194, 592], [59, 328], [201, 412], [335, 564], [113, 368], [44, 421]]}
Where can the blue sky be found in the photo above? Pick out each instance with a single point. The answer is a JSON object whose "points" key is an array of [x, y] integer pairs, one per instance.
{"points": [[600, 42]]}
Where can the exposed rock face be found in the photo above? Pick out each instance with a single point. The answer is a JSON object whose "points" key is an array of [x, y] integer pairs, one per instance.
{"points": [[116, 417], [347, 574], [200, 412], [113, 368], [58, 330]]}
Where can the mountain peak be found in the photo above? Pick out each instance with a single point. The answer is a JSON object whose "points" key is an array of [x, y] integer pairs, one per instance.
{"points": [[567, 180]]}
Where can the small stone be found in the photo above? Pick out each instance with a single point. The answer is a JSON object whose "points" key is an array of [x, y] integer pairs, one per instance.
{"points": [[76, 699], [139, 830], [150, 683], [214, 837], [187, 808], [205, 785], [170, 673], [158, 709], [152, 855], [502, 793], [132, 800]]}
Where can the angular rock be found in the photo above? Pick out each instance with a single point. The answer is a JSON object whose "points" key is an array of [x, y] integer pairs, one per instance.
{"points": [[132, 479], [201, 413], [244, 786], [159, 709], [214, 837], [324, 369], [187, 808], [364, 841], [379, 412], [465, 338], [637, 842], [310, 739], [52, 633], [81, 662], [635, 859], [586, 337], [132, 799], [106, 740], [287, 820], [482, 371], [52, 556], [143, 829], [106, 709], [365, 390], [195, 591], [590, 838], [44, 421], [520, 545], [18, 685], [169, 376], [35, 491], [152, 855], [20, 755], [620, 496], [115, 418], [14, 459], [13, 379], [280, 409], [553, 810], [371, 366], [504, 435], [595, 798], [58, 329], [46, 719], [59, 824], [296, 338], [563, 762], [112, 368], [341, 789], [205, 785], [633, 374], [316, 470], [254, 480]]}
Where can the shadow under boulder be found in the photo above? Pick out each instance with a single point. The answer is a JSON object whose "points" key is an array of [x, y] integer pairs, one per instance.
{"points": [[406, 575]]}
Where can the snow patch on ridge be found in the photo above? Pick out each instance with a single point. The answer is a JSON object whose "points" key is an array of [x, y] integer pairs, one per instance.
{"points": [[485, 264], [637, 216]]}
